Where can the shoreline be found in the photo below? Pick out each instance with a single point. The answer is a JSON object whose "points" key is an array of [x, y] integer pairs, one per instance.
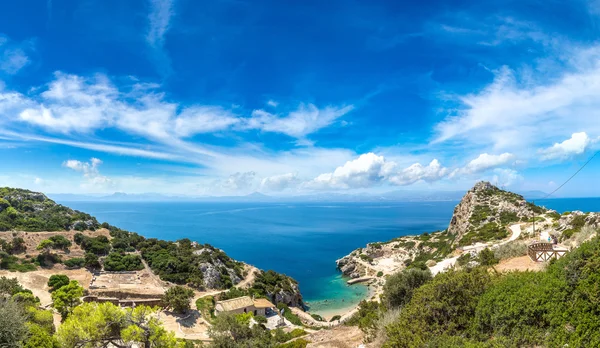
{"points": [[327, 314]]}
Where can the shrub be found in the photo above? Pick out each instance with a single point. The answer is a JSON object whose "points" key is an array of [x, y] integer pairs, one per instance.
{"points": [[76, 262], [444, 305], [510, 250], [116, 262], [335, 317], [507, 217], [399, 287], [287, 313], [486, 257], [366, 318], [317, 317], [464, 259], [57, 281], [178, 298], [380, 273]]}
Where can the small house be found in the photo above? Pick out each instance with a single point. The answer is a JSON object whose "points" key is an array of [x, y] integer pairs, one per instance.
{"points": [[244, 304]]}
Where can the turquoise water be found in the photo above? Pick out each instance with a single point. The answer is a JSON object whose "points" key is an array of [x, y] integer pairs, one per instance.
{"points": [[300, 240]]}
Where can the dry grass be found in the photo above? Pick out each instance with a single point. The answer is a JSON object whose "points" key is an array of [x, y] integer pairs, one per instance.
{"points": [[33, 239], [510, 250]]}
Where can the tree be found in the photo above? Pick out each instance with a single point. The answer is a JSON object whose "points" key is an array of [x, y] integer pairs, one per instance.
{"points": [[92, 261], [10, 286], [178, 298], [104, 324], [233, 330], [67, 298], [57, 281], [399, 287], [487, 258], [18, 245], [46, 245], [12, 324], [39, 338], [60, 242]]}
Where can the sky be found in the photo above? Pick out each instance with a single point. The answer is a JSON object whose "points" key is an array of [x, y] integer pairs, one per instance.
{"points": [[231, 97]]}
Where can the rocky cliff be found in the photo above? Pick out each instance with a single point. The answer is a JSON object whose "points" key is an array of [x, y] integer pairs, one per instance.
{"points": [[485, 211], [483, 215]]}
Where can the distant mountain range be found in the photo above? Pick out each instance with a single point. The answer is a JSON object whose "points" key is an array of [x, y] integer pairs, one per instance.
{"points": [[393, 196]]}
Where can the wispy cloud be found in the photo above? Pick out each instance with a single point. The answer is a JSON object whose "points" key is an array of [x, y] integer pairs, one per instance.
{"points": [[520, 111], [159, 22], [90, 172], [13, 57], [159, 19]]}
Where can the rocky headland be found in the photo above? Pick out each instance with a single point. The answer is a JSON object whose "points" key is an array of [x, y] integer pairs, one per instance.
{"points": [[483, 218]]}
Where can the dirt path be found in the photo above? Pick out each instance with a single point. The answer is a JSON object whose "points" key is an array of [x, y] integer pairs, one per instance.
{"points": [[450, 262]]}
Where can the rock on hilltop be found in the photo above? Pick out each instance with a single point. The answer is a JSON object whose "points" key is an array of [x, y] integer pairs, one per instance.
{"points": [[485, 211]]}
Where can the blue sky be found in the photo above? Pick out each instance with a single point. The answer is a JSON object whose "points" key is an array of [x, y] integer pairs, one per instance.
{"points": [[230, 97]]}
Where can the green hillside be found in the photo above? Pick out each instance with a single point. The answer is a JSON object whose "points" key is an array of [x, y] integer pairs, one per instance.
{"points": [[25, 210]]}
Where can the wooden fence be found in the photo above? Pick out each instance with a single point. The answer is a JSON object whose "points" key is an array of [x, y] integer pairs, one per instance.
{"points": [[541, 252]]}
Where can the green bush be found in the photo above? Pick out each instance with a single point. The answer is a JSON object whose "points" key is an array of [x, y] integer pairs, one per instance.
{"points": [[486, 257], [399, 287], [445, 305], [287, 313], [117, 262], [510, 250], [76, 262], [57, 281], [317, 317], [380, 274], [335, 317]]}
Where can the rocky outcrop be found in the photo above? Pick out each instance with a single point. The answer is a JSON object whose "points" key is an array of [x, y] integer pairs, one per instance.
{"points": [[486, 211]]}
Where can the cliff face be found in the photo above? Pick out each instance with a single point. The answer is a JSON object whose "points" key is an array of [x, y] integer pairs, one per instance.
{"points": [[486, 211], [483, 215]]}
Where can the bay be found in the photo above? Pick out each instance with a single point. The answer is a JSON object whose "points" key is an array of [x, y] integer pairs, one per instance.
{"points": [[301, 240]]}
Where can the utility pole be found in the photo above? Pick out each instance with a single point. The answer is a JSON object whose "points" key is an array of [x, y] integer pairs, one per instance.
{"points": [[533, 219]]}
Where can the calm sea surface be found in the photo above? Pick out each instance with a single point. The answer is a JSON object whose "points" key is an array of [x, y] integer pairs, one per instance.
{"points": [[300, 240]]}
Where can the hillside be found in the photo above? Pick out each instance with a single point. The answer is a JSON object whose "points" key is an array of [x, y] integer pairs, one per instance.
{"points": [[75, 240], [485, 211], [25, 210], [482, 219]]}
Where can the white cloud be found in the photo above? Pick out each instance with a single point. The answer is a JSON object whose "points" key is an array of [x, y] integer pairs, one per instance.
{"points": [[576, 145], [305, 120], [272, 103], [203, 119], [13, 57], [38, 181], [506, 177], [159, 18], [279, 182], [434, 171], [13, 60], [369, 170], [90, 172], [528, 109], [238, 182], [486, 161]]}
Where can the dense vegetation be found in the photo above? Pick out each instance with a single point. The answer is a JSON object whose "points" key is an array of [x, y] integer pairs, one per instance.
{"points": [[475, 307], [22, 324], [25, 210]]}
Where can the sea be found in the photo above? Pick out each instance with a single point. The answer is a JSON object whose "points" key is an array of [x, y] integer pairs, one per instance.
{"points": [[301, 240]]}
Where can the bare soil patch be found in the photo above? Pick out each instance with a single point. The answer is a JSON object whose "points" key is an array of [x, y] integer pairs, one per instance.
{"points": [[37, 281], [338, 337], [521, 263]]}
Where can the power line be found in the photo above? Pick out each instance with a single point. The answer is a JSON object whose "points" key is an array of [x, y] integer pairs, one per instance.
{"points": [[572, 176]]}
